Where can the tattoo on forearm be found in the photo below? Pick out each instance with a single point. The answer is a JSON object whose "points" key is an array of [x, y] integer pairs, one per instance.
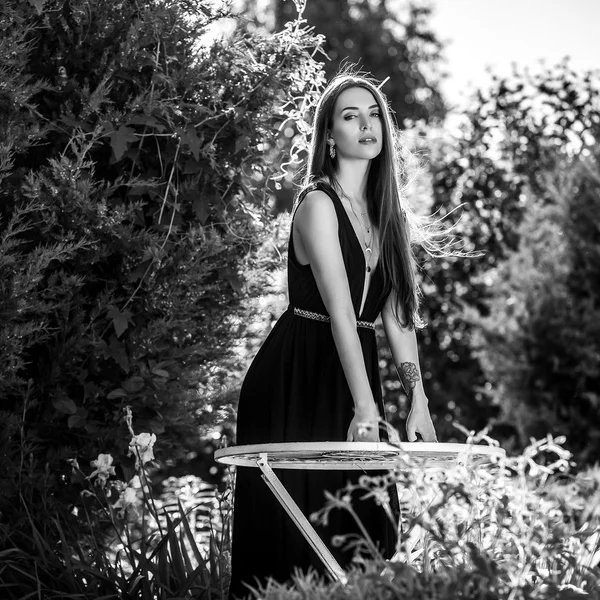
{"points": [[409, 375]]}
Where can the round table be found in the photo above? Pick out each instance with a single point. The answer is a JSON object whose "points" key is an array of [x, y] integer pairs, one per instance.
{"points": [[363, 456]]}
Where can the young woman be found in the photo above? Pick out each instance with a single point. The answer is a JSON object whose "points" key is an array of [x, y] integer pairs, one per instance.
{"points": [[316, 376]]}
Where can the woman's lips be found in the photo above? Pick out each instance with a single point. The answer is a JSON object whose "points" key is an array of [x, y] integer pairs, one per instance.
{"points": [[368, 140]]}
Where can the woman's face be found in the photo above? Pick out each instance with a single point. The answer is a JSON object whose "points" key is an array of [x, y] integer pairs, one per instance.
{"points": [[357, 125]]}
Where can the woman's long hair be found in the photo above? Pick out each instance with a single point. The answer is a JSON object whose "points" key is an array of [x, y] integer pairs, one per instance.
{"points": [[386, 185]]}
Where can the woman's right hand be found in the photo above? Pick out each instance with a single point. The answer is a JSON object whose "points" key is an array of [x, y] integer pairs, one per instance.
{"points": [[364, 426]]}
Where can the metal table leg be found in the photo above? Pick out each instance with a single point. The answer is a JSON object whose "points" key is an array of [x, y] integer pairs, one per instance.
{"points": [[300, 520]]}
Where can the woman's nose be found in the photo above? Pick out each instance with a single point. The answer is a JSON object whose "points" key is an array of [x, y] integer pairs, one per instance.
{"points": [[366, 124]]}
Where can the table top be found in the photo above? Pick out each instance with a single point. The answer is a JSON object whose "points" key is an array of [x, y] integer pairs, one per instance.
{"points": [[360, 456]]}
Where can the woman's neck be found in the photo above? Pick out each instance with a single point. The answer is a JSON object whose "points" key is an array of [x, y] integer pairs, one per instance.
{"points": [[352, 178]]}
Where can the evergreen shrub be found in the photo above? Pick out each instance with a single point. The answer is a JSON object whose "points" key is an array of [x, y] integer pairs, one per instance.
{"points": [[136, 165]]}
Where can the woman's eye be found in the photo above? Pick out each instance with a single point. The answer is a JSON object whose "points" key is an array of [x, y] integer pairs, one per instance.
{"points": [[375, 114]]}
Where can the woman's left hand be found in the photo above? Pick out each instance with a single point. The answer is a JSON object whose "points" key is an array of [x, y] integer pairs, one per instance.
{"points": [[364, 426], [419, 421]]}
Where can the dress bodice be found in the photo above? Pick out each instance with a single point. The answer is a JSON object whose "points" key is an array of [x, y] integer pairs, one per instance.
{"points": [[302, 286]]}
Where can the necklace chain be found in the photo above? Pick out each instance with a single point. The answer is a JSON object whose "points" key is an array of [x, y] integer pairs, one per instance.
{"points": [[366, 230]]}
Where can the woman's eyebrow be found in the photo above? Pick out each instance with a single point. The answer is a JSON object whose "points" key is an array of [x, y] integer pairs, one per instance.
{"points": [[356, 107]]}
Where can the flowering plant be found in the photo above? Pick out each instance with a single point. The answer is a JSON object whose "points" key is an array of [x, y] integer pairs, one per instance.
{"points": [[104, 469], [500, 528], [141, 446], [150, 537]]}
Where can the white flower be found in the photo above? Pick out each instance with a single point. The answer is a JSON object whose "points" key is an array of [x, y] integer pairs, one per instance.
{"points": [[381, 496], [104, 468], [141, 446], [127, 500], [135, 482], [74, 465]]}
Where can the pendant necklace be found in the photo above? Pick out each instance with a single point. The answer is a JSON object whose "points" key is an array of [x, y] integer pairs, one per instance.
{"points": [[366, 230]]}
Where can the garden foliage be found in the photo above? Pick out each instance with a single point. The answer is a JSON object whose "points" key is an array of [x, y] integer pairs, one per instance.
{"points": [[540, 343], [137, 151], [395, 43], [136, 547], [524, 163], [521, 528]]}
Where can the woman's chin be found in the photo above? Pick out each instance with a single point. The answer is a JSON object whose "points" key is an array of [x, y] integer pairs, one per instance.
{"points": [[366, 153]]}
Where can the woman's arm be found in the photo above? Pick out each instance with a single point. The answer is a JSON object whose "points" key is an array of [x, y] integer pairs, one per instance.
{"points": [[316, 224], [403, 343]]}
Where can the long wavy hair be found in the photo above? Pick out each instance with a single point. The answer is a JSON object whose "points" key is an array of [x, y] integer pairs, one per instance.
{"points": [[386, 184]]}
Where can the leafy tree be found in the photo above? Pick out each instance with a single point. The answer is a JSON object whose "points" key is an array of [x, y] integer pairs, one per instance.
{"points": [[388, 40], [134, 212], [521, 128], [540, 343]]}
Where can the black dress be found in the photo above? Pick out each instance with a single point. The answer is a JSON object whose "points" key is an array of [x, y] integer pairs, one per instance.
{"points": [[296, 391]]}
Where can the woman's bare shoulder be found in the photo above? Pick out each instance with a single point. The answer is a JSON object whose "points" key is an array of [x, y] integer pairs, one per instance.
{"points": [[316, 204]]}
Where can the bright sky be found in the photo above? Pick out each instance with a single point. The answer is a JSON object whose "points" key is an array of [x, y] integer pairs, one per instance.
{"points": [[497, 33]]}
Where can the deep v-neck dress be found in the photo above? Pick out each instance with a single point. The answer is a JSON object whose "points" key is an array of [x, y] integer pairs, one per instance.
{"points": [[296, 391]]}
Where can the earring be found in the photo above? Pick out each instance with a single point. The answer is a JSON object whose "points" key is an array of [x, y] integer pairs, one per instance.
{"points": [[332, 150]]}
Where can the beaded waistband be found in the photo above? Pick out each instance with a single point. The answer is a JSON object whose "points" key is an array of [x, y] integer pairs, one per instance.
{"points": [[307, 314]]}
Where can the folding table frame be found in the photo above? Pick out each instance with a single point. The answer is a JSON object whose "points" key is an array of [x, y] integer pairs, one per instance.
{"points": [[362, 456]]}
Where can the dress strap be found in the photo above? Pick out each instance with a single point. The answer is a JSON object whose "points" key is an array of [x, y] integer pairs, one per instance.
{"points": [[308, 314]]}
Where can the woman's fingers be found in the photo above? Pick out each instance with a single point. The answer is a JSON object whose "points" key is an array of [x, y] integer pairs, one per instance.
{"points": [[363, 429], [419, 421], [425, 430], [362, 434], [428, 433], [429, 437]]}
